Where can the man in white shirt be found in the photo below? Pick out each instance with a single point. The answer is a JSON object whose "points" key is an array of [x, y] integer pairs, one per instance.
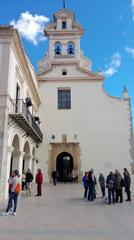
{"points": [[13, 197]]}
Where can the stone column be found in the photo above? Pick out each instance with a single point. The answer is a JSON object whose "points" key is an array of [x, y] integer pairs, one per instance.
{"points": [[28, 162], [4, 98], [34, 167], [9, 154], [17, 161]]}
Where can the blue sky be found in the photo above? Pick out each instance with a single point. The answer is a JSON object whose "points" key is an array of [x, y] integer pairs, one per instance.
{"points": [[108, 39]]}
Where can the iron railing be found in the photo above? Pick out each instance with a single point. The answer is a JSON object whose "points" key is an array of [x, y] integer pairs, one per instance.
{"points": [[20, 107]]}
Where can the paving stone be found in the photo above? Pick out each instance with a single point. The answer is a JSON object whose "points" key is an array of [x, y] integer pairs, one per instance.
{"points": [[62, 214]]}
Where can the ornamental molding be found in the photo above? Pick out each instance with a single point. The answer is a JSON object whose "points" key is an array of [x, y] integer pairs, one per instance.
{"points": [[18, 76]]}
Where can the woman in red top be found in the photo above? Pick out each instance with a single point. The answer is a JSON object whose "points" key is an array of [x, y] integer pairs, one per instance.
{"points": [[39, 181]]}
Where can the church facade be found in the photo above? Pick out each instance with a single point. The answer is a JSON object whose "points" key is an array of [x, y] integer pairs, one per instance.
{"points": [[83, 126]]}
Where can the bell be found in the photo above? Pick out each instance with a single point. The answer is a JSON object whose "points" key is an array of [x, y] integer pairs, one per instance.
{"points": [[70, 50], [58, 51]]}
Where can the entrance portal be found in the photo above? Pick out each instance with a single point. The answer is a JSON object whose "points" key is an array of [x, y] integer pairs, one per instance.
{"points": [[64, 166]]}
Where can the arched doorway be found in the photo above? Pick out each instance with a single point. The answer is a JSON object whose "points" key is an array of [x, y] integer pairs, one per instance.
{"points": [[64, 166]]}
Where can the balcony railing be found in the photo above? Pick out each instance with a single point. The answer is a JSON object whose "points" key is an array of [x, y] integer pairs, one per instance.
{"points": [[21, 115]]}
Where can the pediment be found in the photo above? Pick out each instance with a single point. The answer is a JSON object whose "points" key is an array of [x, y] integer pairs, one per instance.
{"points": [[64, 13], [81, 71], [74, 72]]}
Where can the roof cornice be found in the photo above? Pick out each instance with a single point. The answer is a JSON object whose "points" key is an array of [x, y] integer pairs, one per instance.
{"points": [[13, 38], [64, 32]]}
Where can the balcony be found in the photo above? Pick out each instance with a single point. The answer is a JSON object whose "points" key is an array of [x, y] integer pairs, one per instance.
{"points": [[20, 114]]}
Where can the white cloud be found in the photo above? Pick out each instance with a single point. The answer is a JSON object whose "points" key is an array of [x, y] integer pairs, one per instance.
{"points": [[114, 65], [130, 51], [31, 26], [132, 5]]}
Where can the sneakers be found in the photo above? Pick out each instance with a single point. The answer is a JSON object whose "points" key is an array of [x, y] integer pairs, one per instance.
{"points": [[14, 213], [5, 214]]}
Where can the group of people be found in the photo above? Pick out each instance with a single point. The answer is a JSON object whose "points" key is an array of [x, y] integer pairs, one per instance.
{"points": [[27, 179], [89, 182], [114, 183], [15, 186], [72, 178]]}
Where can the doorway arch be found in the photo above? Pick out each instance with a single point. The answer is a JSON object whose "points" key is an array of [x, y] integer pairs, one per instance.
{"points": [[64, 166]]}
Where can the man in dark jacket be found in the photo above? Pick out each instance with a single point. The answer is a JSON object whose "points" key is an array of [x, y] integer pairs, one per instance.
{"points": [[85, 182], [29, 179], [111, 187], [54, 177], [127, 181], [102, 184], [39, 181], [118, 186], [91, 186]]}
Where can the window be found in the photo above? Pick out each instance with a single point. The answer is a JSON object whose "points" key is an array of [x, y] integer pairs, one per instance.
{"points": [[64, 99], [64, 25], [64, 72], [57, 48], [70, 48], [17, 100]]}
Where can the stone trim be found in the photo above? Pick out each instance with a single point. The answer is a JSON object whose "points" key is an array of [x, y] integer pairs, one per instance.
{"points": [[71, 148], [18, 153], [10, 149]]}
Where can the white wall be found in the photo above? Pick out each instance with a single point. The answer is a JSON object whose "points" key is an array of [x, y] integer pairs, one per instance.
{"points": [[17, 75], [100, 122], [11, 73]]}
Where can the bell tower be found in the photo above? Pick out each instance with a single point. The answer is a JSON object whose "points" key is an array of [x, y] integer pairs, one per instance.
{"points": [[64, 37]]}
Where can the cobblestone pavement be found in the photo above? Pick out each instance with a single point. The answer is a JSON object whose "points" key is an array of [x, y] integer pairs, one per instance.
{"points": [[62, 214]]}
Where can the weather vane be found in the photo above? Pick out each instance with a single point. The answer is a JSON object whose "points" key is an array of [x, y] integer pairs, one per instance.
{"points": [[64, 3]]}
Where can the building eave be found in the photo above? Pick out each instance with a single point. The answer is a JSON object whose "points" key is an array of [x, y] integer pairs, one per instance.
{"points": [[69, 79], [14, 39], [19, 49], [64, 32]]}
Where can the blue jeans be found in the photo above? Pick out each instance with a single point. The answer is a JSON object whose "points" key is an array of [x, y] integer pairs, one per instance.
{"points": [[91, 192], [103, 191], [13, 197], [110, 195]]}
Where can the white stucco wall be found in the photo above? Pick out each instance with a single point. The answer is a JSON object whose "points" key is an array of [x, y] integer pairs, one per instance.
{"points": [[100, 122], [17, 75], [12, 71]]}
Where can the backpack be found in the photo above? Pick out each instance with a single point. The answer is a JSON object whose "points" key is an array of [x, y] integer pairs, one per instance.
{"points": [[17, 188]]}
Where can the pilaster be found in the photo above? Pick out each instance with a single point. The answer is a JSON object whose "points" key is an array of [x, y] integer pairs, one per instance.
{"points": [[17, 161], [28, 162], [9, 154]]}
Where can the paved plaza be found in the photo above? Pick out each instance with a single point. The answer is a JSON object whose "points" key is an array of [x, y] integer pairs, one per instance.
{"points": [[62, 214]]}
